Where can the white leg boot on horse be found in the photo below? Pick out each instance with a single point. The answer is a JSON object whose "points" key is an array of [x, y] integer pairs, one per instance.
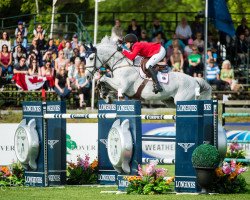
{"points": [[156, 84]]}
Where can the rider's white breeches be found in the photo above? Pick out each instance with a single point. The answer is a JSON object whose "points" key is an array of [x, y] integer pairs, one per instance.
{"points": [[156, 58]]}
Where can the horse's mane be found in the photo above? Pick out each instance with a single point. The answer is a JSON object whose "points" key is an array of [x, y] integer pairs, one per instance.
{"points": [[107, 41]]}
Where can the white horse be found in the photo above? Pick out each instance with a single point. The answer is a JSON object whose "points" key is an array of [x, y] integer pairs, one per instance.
{"points": [[127, 78]]}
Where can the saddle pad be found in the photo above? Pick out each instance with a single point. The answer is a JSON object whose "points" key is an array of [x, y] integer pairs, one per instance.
{"points": [[161, 76]]}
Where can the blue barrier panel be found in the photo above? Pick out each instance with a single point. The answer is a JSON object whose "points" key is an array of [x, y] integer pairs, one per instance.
{"points": [[189, 134], [107, 174], [51, 161], [56, 129], [131, 110]]}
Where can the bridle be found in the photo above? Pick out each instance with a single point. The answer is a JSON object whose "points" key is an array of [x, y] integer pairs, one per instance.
{"points": [[104, 64]]}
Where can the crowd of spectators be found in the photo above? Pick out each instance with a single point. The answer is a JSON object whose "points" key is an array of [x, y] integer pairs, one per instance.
{"points": [[185, 48], [62, 65]]}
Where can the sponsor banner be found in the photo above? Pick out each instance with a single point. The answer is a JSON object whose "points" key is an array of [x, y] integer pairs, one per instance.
{"points": [[81, 140], [158, 141]]}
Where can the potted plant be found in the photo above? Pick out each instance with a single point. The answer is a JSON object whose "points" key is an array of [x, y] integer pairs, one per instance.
{"points": [[205, 159]]}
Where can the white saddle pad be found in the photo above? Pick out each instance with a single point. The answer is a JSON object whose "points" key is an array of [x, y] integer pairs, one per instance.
{"points": [[161, 76]]}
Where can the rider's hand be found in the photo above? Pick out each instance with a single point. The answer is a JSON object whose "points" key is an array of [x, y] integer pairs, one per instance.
{"points": [[119, 48]]}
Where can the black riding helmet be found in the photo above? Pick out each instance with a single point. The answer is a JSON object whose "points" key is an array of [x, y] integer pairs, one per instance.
{"points": [[130, 38]]}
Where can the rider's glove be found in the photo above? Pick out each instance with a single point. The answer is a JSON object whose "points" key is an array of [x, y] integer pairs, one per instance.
{"points": [[119, 48]]}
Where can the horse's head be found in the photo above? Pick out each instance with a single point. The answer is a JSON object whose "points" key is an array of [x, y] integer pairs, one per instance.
{"points": [[91, 61]]}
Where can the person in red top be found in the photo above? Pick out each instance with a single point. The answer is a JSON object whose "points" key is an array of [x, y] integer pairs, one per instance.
{"points": [[151, 50]]}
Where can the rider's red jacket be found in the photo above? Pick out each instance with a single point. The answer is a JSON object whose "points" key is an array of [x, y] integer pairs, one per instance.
{"points": [[145, 49]]}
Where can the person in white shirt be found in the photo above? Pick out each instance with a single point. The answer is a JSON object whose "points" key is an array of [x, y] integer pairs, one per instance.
{"points": [[183, 31]]}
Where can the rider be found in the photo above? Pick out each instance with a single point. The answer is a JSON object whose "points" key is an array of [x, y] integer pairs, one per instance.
{"points": [[151, 50]]}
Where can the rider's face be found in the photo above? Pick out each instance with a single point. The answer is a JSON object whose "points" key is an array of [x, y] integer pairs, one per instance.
{"points": [[128, 45]]}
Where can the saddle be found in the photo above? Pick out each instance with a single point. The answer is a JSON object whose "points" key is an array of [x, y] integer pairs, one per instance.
{"points": [[157, 67]]}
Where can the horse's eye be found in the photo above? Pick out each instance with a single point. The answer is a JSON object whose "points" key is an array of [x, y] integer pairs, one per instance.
{"points": [[91, 58]]}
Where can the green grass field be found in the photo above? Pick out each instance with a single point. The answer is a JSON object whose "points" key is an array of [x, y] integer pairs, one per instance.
{"points": [[94, 192]]}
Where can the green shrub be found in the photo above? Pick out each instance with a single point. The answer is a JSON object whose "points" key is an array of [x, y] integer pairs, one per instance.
{"points": [[206, 155]]}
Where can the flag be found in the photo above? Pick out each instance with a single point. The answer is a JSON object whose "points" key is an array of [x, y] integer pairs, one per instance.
{"points": [[219, 14], [27, 82]]}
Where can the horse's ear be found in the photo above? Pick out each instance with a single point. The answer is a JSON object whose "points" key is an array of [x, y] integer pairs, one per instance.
{"points": [[86, 47], [91, 46]]}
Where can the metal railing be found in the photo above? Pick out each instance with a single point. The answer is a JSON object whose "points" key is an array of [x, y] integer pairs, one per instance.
{"points": [[66, 23]]}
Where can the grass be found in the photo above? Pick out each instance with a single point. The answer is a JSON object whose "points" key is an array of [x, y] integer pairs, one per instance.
{"points": [[94, 192]]}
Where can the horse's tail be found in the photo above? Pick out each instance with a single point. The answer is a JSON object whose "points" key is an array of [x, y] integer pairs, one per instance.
{"points": [[205, 89]]}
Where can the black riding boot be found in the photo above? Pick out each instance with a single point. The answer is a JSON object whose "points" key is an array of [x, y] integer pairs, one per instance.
{"points": [[157, 86]]}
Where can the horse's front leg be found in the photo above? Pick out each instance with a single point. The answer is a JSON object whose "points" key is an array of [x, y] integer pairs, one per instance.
{"points": [[114, 84]]}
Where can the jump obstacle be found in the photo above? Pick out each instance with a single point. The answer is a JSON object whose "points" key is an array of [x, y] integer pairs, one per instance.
{"points": [[196, 123]]}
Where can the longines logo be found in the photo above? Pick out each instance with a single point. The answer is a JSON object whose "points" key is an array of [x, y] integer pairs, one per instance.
{"points": [[51, 143], [186, 146], [125, 107], [187, 108], [53, 108], [107, 107], [105, 142], [32, 108]]}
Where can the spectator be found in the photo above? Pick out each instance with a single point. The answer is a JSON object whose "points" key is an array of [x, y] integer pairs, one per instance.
{"points": [[5, 61], [72, 71], [117, 31], [189, 48], [144, 37], [242, 27], [31, 57], [177, 60], [68, 52], [33, 69], [21, 67], [197, 27], [48, 72], [213, 75], [159, 38], [227, 74], [62, 45], [51, 46], [170, 49], [22, 29], [174, 37], [76, 54], [199, 42], [39, 35], [211, 56], [183, 31], [195, 64], [83, 85], [62, 84], [5, 40], [60, 62], [156, 28], [20, 40], [242, 48], [75, 43], [48, 57], [82, 51], [34, 47], [134, 28], [19, 52]]}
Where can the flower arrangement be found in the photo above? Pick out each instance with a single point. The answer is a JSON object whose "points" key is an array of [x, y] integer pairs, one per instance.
{"points": [[229, 178], [206, 156], [235, 151], [12, 175], [151, 180], [83, 172]]}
